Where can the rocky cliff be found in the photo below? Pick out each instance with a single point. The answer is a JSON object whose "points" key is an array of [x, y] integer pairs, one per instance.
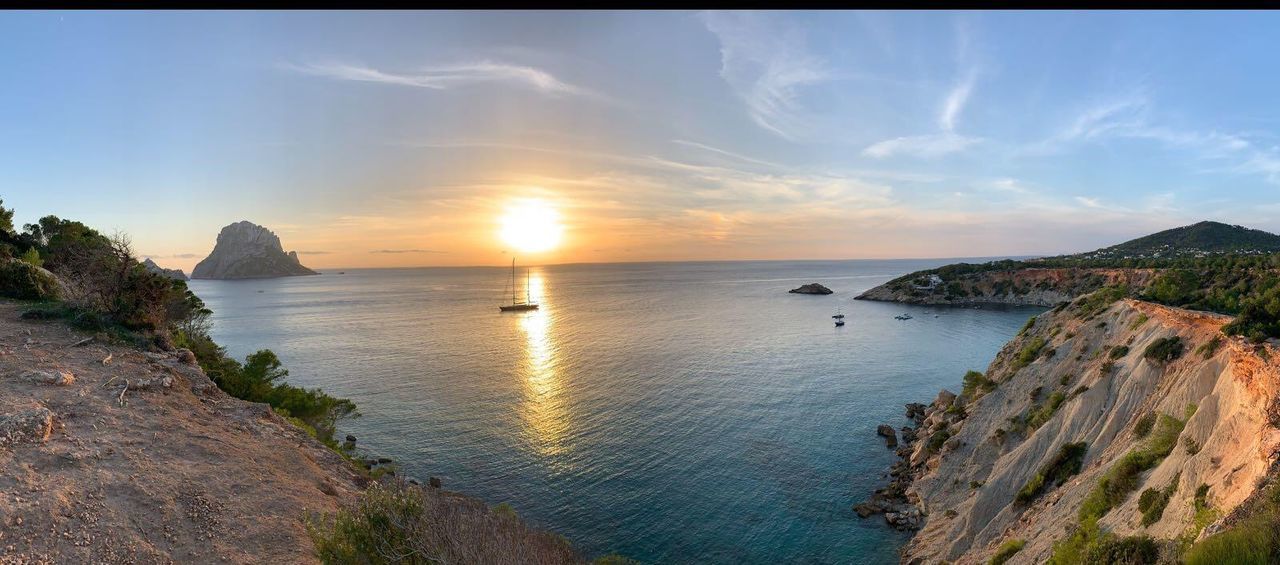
{"points": [[248, 251], [175, 274], [1145, 415], [1027, 287]]}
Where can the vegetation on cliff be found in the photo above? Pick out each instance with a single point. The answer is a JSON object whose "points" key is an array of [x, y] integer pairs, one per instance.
{"points": [[104, 288]]}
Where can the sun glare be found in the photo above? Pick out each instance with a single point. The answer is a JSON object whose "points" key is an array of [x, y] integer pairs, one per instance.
{"points": [[531, 226]]}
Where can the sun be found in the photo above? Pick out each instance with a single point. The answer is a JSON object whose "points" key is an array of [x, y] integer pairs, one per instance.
{"points": [[530, 225]]}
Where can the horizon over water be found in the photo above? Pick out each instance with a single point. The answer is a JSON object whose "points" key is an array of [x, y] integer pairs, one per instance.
{"points": [[689, 412]]}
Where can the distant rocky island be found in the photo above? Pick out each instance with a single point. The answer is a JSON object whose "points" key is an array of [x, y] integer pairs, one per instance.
{"points": [[811, 288], [246, 250], [176, 274]]}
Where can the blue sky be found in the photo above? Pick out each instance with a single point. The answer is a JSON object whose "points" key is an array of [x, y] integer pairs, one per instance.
{"points": [[659, 136]]}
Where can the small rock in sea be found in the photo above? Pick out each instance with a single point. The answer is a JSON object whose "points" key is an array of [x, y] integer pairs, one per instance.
{"points": [[890, 436], [351, 438], [384, 460], [863, 509], [433, 482], [55, 377], [916, 411], [908, 434], [811, 288], [414, 482]]}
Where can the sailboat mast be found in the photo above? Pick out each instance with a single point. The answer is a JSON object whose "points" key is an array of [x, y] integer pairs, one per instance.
{"points": [[513, 279], [528, 286]]}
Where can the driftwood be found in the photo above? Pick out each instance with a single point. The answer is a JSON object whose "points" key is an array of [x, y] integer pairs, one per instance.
{"points": [[81, 342]]}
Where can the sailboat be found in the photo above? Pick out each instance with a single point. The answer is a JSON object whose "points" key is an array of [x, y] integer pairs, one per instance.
{"points": [[839, 317], [518, 306]]}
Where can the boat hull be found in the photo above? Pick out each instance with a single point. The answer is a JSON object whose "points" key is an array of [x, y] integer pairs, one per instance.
{"points": [[518, 307]]}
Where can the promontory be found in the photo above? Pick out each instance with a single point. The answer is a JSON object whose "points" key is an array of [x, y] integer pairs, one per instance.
{"points": [[249, 251]]}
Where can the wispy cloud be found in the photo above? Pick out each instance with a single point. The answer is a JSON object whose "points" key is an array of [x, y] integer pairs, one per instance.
{"points": [[729, 154], [447, 76], [955, 101], [932, 145], [767, 64], [408, 251], [315, 253]]}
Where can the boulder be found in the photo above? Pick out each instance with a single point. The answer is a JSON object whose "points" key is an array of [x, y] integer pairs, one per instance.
{"points": [[56, 377], [433, 482], [245, 250], [26, 427], [916, 411], [944, 400], [908, 435], [890, 436], [811, 288]]}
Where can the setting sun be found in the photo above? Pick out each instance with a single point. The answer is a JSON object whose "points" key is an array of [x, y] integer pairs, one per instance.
{"points": [[531, 225]]}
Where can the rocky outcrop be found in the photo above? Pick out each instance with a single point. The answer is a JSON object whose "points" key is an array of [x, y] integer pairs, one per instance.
{"points": [[1022, 287], [1080, 376], [811, 288], [175, 274], [248, 251]]}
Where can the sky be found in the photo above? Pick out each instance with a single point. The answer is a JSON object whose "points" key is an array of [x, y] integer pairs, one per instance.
{"points": [[400, 139]]}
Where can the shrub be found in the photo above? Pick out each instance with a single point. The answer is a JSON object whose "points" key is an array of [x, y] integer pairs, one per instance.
{"points": [[1164, 350], [937, 440], [24, 281], [1144, 424], [1122, 478], [1208, 348], [974, 382], [1029, 352], [1153, 502], [1066, 463], [32, 257], [1191, 445], [1006, 551], [1132, 550], [400, 523], [1031, 322], [1137, 323], [1041, 414], [1119, 351]]}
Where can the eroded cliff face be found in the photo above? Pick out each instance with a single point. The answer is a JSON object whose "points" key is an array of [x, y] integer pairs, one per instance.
{"points": [[1025, 287], [247, 251], [1226, 394]]}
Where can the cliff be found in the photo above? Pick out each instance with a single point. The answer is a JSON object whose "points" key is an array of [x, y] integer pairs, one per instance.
{"points": [[1094, 406], [1026, 287], [245, 250]]}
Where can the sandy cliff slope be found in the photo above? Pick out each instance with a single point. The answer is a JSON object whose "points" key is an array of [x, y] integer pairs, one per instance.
{"points": [[143, 460], [968, 488]]}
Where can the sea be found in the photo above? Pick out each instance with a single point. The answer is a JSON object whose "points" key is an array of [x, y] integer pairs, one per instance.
{"points": [[668, 412]]}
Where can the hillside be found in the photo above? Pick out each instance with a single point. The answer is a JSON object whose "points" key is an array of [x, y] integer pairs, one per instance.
{"points": [[1048, 451], [1196, 240]]}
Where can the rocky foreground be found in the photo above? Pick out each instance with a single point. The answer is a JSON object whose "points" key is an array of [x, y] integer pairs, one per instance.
{"points": [[1011, 459], [112, 455]]}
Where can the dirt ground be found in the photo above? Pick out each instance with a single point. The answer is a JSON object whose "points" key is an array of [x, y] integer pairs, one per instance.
{"points": [[141, 459]]}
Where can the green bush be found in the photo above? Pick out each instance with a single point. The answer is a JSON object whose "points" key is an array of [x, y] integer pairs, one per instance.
{"points": [[1031, 323], [1066, 463], [1119, 351], [32, 257], [1029, 352], [1006, 551], [974, 382], [1164, 350], [1042, 413], [1144, 424], [1132, 550], [1122, 478], [1208, 348], [1152, 502], [24, 281]]}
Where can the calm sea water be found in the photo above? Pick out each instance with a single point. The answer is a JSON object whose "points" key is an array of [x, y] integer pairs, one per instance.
{"points": [[674, 413]]}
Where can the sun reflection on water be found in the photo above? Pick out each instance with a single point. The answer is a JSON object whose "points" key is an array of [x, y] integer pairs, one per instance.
{"points": [[546, 417]]}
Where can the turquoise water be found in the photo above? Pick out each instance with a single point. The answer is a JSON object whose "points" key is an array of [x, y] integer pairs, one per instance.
{"points": [[674, 413]]}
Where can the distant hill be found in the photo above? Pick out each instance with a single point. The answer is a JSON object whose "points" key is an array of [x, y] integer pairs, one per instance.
{"points": [[1199, 239]]}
